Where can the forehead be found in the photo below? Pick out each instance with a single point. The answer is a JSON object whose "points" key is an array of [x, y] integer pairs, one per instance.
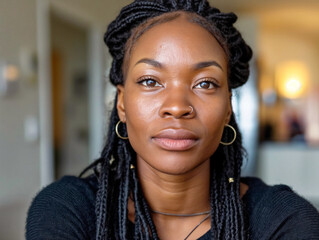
{"points": [[178, 39]]}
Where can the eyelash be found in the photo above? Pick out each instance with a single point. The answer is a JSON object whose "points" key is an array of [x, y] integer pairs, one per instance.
{"points": [[143, 80], [208, 80]]}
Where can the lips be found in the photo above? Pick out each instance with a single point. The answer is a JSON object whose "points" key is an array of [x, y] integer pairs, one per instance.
{"points": [[175, 139]]}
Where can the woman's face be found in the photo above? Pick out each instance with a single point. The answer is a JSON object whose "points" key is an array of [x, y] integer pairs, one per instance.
{"points": [[175, 100]]}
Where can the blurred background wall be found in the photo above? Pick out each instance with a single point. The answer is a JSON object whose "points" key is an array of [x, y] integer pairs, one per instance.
{"points": [[55, 98], [19, 157]]}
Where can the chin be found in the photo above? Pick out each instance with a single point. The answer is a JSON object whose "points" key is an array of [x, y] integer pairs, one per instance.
{"points": [[177, 165], [176, 170]]}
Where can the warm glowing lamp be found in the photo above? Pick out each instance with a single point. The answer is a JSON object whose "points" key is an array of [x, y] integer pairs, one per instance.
{"points": [[11, 73], [292, 78]]}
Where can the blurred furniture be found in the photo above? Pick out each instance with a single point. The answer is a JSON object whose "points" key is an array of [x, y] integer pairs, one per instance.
{"points": [[293, 164]]}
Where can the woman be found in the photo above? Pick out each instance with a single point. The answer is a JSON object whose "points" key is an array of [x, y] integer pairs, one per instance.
{"points": [[171, 165]]}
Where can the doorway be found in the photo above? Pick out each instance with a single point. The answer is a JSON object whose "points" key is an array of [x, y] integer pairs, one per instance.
{"points": [[70, 103]]}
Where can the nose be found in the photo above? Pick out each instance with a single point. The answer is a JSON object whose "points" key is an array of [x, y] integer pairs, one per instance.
{"points": [[177, 105]]}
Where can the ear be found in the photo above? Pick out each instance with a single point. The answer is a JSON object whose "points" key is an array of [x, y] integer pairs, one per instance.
{"points": [[120, 103], [229, 109]]}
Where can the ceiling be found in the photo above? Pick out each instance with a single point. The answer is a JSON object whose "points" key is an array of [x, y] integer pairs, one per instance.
{"points": [[295, 15], [260, 5], [301, 16]]}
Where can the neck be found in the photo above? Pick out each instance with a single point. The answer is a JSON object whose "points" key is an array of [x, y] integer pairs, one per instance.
{"points": [[178, 194]]}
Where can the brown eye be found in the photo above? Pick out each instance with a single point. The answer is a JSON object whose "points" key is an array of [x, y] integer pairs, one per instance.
{"points": [[150, 83], [206, 85]]}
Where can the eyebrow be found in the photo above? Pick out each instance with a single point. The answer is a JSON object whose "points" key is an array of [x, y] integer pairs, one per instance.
{"points": [[149, 61], [207, 64], [197, 66]]}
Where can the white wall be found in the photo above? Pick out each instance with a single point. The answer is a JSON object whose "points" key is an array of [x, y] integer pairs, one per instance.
{"points": [[19, 160]]}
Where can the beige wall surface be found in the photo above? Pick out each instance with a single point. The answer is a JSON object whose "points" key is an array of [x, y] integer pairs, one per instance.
{"points": [[19, 160]]}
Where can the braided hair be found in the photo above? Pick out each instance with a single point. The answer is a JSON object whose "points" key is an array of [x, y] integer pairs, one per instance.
{"points": [[117, 182]]}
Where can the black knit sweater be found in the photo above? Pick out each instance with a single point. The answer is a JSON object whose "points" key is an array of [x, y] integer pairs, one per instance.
{"points": [[65, 210]]}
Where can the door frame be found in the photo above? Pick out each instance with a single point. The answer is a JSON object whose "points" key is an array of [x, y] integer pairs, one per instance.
{"points": [[96, 84]]}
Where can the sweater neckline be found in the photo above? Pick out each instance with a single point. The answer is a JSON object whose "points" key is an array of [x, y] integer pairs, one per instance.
{"points": [[247, 199]]}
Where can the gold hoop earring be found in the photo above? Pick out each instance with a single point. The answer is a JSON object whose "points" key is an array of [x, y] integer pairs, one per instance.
{"points": [[117, 131], [235, 135]]}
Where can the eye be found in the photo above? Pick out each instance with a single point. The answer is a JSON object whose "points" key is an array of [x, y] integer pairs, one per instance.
{"points": [[206, 84], [149, 82]]}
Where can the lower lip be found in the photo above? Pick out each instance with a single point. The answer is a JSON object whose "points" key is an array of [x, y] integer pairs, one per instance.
{"points": [[175, 144]]}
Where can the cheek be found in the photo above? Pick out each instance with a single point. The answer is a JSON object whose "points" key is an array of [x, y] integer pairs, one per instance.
{"points": [[140, 113], [140, 108], [214, 119]]}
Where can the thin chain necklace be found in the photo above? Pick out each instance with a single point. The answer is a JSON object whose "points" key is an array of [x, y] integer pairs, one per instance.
{"points": [[187, 215], [181, 214], [197, 226]]}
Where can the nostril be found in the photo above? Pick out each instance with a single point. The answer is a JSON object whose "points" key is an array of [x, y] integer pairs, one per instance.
{"points": [[186, 114], [189, 112], [178, 112]]}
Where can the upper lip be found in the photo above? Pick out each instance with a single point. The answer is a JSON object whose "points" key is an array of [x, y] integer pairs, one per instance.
{"points": [[177, 134]]}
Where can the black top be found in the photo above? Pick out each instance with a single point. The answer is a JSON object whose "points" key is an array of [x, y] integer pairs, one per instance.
{"points": [[65, 210]]}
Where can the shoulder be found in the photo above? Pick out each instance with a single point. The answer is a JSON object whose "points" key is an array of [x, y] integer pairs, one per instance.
{"points": [[63, 210], [286, 214]]}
